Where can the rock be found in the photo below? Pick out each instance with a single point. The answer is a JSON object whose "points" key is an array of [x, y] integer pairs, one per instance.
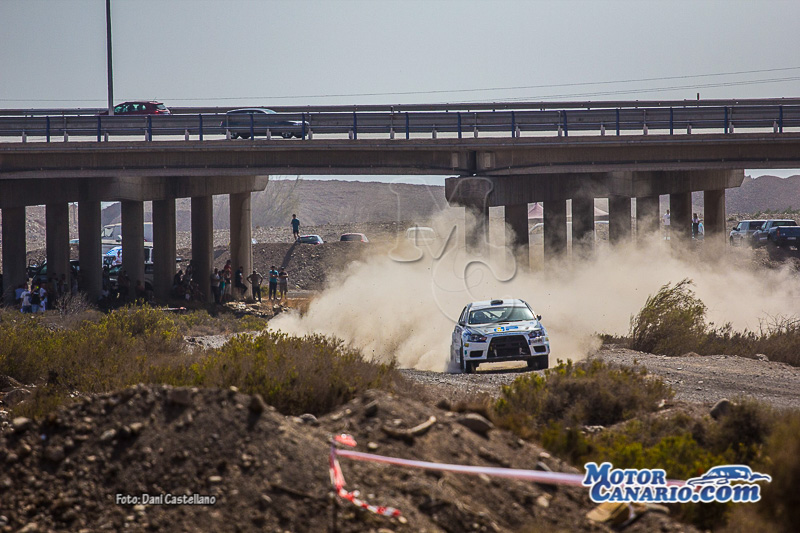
{"points": [[308, 418], [720, 409], [136, 428], [444, 404], [108, 435], [761, 357], [21, 423], [33, 527], [372, 446], [180, 396], [476, 423], [215, 480], [257, 404], [16, 396], [543, 502], [371, 409], [54, 453]]}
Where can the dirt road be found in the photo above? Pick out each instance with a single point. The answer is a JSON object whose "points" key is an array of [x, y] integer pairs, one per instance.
{"points": [[695, 379]]}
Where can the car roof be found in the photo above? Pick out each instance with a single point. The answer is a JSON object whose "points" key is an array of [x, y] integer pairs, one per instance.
{"points": [[252, 110], [317, 236], [140, 102], [488, 303], [343, 234]]}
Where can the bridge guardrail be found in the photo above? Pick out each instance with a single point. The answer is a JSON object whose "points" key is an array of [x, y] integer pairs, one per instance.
{"points": [[507, 122]]}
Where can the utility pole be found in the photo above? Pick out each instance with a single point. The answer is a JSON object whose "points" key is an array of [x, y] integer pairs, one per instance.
{"points": [[108, 56]]}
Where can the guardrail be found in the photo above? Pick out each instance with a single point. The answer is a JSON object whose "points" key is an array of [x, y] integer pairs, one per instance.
{"points": [[398, 122]]}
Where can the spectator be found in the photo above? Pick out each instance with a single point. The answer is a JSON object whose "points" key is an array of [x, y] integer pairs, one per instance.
{"points": [[255, 280], [216, 279], [295, 228], [42, 299], [241, 288], [227, 275], [283, 283], [18, 294], [695, 225], [124, 283], [25, 301], [273, 283], [665, 222], [35, 300]]}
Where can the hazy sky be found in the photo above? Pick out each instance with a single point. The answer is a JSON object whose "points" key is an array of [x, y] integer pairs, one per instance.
{"points": [[239, 52]]}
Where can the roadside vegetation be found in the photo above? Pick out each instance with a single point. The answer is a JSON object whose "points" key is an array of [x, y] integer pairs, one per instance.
{"points": [[673, 322], [133, 345]]}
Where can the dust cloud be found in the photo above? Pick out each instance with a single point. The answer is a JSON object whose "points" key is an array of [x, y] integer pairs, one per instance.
{"points": [[403, 302]]}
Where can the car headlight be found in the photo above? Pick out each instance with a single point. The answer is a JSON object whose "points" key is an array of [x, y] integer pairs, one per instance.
{"points": [[476, 337], [535, 333]]}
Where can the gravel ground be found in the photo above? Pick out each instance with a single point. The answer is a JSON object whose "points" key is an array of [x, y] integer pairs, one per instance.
{"points": [[696, 379]]}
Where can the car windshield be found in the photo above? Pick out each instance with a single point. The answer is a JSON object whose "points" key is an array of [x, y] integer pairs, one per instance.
{"points": [[351, 237], [492, 315], [785, 223]]}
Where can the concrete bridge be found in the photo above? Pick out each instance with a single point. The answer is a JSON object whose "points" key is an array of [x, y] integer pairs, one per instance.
{"points": [[506, 166]]}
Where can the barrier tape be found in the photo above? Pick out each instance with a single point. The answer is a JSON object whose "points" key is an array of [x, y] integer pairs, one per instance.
{"points": [[337, 478]]}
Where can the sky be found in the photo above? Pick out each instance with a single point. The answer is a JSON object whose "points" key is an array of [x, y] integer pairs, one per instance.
{"points": [[275, 52]]}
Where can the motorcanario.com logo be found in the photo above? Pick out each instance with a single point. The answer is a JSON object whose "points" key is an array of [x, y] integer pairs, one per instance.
{"points": [[725, 483]]}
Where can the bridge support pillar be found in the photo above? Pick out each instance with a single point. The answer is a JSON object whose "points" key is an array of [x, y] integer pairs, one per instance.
{"points": [[680, 207], [477, 223], [133, 242], [57, 239], [516, 217], [555, 229], [647, 216], [714, 215], [619, 219], [582, 226], [241, 233], [202, 243], [164, 245], [90, 249], [14, 262]]}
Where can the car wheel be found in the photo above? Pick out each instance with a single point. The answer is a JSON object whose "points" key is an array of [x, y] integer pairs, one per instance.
{"points": [[244, 135], [286, 135], [234, 135], [466, 366]]}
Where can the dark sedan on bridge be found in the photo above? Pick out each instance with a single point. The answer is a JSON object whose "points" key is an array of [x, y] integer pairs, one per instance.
{"points": [[259, 120], [140, 108]]}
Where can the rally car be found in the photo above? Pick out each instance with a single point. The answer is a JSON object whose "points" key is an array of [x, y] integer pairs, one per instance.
{"points": [[499, 330]]}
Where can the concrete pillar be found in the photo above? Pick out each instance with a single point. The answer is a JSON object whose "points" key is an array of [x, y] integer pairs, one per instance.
{"points": [[14, 261], [163, 247], [57, 239], [582, 226], [241, 233], [619, 219], [133, 242], [555, 229], [203, 243], [90, 249], [680, 208], [516, 218], [477, 224], [714, 215], [648, 217]]}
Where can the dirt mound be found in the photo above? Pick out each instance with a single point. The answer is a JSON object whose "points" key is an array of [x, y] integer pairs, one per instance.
{"points": [[268, 472]]}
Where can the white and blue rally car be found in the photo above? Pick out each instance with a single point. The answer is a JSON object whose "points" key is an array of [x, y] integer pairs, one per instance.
{"points": [[499, 330]]}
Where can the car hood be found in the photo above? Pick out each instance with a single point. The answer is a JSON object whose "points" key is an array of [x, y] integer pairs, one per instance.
{"points": [[512, 327]]}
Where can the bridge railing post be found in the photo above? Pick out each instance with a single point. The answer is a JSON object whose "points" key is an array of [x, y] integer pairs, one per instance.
{"points": [[252, 127], [149, 128], [459, 124], [408, 132], [513, 124], [355, 125], [98, 129], [617, 121], [780, 119], [671, 121], [47, 128], [725, 125], [303, 126], [200, 120]]}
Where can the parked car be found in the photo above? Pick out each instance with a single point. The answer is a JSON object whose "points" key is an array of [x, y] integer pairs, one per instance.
{"points": [[38, 273], [499, 330], [353, 237], [240, 122], [783, 232], [310, 239], [743, 231], [140, 108]]}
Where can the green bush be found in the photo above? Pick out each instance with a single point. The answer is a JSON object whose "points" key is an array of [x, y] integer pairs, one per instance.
{"points": [[672, 322]]}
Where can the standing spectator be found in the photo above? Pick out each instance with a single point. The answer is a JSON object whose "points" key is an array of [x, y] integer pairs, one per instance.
{"points": [[124, 283], [35, 300], [665, 222], [18, 294], [283, 283], [695, 225], [215, 283], [241, 288], [227, 275], [42, 299], [255, 280], [273, 282], [25, 301], [295, 228]]}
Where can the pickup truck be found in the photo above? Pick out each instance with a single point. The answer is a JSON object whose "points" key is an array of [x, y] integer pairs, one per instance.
{"points": [[778, 233]]}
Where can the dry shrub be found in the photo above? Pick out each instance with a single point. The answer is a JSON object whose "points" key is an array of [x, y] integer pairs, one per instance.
{"points": [[672, 322], [312, 374], [586, 393]]}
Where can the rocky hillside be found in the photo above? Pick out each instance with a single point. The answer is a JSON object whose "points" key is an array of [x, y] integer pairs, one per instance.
{"points": [[764, 193]]}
